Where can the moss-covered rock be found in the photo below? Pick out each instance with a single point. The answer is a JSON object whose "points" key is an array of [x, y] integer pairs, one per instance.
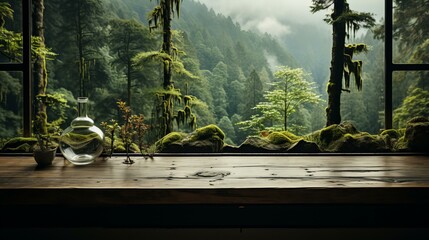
{"points": [[19, 144], [359, 143], [392, 133], [209, 132], [260, 145], [278, 138], [345, 138], [207, 139], [291, 136], [303, 146], [170, 143], [417, 135], [392, 137], [333, 133]]}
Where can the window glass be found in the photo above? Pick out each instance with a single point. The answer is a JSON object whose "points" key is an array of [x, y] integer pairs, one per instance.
{"points": [[11, 31], [229, 67], [410, 95], [10, 104], [411, 31]]}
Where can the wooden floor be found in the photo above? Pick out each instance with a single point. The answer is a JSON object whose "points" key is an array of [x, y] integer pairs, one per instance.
{"points": [[221, 183]]}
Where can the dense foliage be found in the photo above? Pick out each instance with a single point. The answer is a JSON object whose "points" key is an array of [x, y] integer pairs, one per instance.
{"points": [[222, 74]]}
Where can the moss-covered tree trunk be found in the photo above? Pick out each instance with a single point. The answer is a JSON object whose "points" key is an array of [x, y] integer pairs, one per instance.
{"points": [[166, 44], [166, 48], [40, 73], [333, 115]]}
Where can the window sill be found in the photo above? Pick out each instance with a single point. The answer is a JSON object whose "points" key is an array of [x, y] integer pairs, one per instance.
{"points": [[255, 185]]}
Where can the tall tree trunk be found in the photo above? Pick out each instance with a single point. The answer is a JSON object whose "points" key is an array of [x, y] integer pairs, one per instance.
{"points": [[166, 45], [333, 115], [79, 37], [285, 108], [40, 73], [166, 48], [129, 65]]}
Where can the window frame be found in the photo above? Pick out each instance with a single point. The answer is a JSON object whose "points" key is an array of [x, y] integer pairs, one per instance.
{"points": [[390, 66], [25, 67]]}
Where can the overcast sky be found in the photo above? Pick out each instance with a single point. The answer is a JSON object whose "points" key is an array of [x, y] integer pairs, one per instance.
{"points": [[272, 16]]}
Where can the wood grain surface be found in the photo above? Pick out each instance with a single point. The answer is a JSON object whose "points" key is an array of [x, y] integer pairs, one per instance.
{"points": [[218, 180]]}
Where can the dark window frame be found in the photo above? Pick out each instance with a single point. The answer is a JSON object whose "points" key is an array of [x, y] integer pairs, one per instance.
{"points": [[26, 68], [390, 66]]}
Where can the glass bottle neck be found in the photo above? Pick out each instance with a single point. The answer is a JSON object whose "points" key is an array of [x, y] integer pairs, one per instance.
{"points": [[82, 120], [82, 107]]}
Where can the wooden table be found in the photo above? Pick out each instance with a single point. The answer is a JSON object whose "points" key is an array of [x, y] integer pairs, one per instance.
{"points": [[218, 191]]}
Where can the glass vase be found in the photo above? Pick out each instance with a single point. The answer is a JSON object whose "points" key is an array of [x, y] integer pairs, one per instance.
{"points": [[82, 142]]}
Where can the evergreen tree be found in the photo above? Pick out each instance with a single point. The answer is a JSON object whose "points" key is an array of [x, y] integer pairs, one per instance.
{"points": [[127, 38], [253, 94], [226, 125], [79, 42], [289, 93]]}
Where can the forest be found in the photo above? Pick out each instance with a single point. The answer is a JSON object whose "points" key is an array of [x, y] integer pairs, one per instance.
{"points": [[218, 73]]}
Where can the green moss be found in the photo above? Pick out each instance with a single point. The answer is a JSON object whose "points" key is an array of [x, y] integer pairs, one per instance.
{"points": [[401, 145], [21, 148], [208, 132], [171, 138], [19, 144], [416, 135], [359, 143], [334, 132], [418, 120], [168, 140], [292, 136], [278, 138], [392, 133]]}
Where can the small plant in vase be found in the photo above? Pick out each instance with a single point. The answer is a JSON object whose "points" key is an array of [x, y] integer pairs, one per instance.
{"points": [[44, 150]]}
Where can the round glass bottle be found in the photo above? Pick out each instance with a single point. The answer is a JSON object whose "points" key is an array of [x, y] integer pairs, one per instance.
{"points": [[82, 142]]}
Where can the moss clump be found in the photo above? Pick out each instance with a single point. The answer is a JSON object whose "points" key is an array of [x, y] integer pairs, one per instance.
{"points": [[169, 139], [278, 138], [330, 134], [290, 135], [416, 135], [392, 133], [19, 144], [360, 142], [401, 145], [418, 120], [206, 133]]}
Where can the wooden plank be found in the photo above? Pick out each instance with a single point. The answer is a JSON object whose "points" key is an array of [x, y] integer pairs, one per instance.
{"points": [[219, 180]]}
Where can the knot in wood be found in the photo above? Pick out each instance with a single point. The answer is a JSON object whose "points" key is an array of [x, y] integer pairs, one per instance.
{"points": [[212, 174]]}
